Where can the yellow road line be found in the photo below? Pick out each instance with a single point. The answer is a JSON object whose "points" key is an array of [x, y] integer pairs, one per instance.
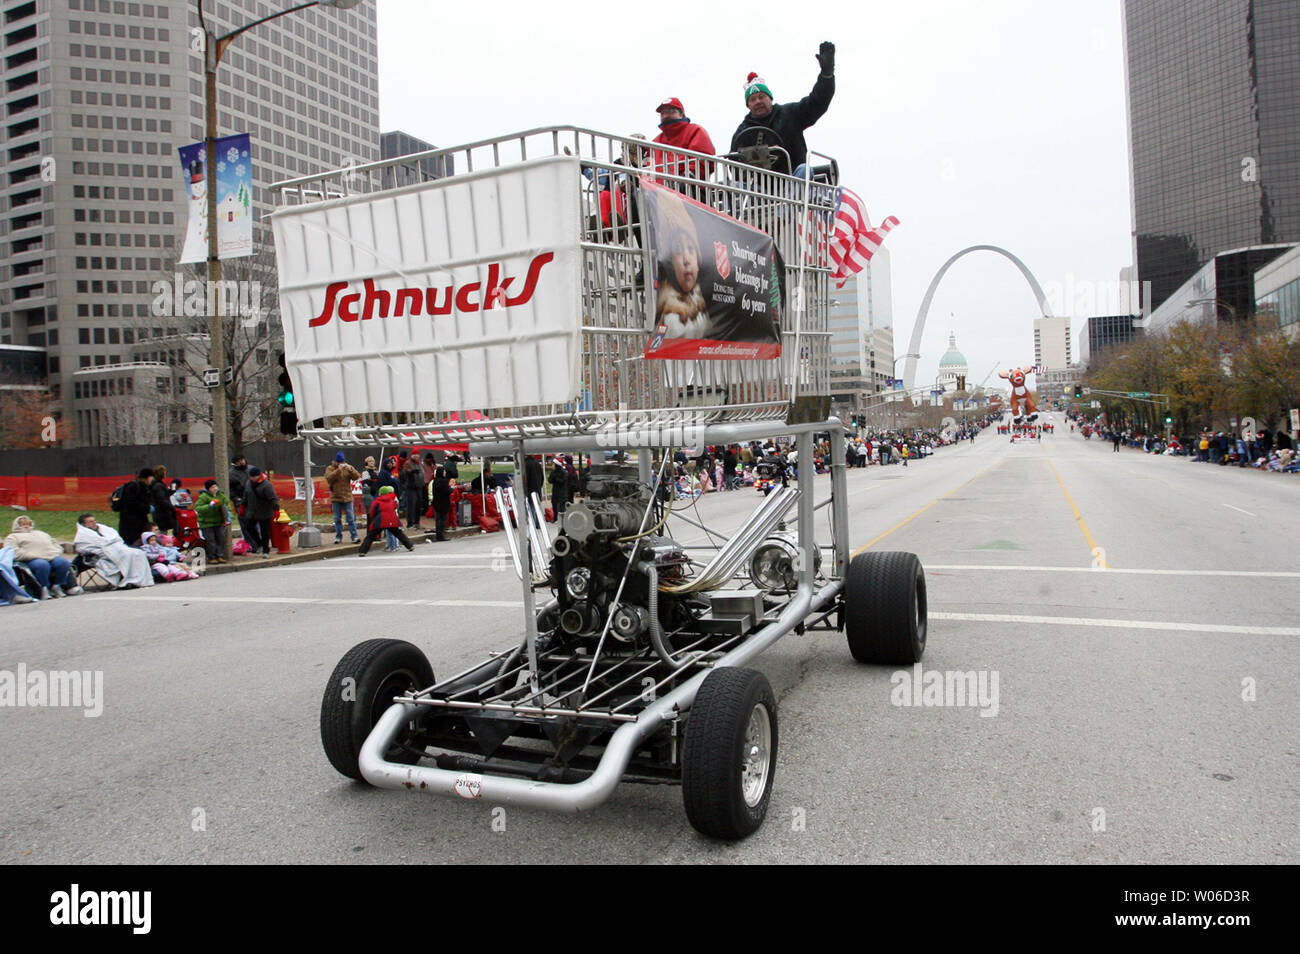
{"points": [[1096, 552], [902, 523]]}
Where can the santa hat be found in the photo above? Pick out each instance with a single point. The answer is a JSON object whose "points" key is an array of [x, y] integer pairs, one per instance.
{"points": [[755, 84]]}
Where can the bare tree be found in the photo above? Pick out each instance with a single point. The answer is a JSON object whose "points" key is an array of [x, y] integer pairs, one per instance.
{"points": [[27, 419], [173, 341], [1265, 364], [1212, 372]]}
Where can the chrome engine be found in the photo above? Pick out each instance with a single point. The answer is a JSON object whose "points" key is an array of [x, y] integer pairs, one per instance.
{"points": [[590, 558]]}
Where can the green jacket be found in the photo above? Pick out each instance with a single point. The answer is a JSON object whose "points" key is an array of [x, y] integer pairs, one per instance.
{"points": [[210, 516]]}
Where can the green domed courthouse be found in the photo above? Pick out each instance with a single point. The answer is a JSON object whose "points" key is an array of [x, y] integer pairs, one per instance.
{"points": [[953, 366]]}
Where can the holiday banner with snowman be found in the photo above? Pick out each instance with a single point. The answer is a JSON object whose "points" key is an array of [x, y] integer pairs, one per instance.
{"points": [[234, 184]]}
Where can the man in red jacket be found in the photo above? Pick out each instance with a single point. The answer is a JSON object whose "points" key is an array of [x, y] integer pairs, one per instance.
{"points": [[383, 516], [678, 131]]}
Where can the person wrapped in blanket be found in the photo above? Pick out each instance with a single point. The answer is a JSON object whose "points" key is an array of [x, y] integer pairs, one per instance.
{"points": [[122, 566], [11, 590], [164, 561]]}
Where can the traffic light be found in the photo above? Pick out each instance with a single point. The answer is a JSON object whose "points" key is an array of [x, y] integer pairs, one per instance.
{"points": [[288, 411], [1168, 419], [1078, 390]]}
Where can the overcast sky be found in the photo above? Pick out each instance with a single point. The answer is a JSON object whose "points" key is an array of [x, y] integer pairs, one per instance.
{"points": [[997, 122]]}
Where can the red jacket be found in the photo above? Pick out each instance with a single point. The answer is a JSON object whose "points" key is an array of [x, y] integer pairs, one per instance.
{"points": [[383, 512], [683, 134]]}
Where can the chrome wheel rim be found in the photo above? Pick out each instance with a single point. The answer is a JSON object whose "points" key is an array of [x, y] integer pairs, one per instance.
{"points": [[756, 759]]}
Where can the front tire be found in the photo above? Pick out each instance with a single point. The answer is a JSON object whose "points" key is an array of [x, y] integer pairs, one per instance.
{"points": [[729, 754], [360, 690], [885, 613]]}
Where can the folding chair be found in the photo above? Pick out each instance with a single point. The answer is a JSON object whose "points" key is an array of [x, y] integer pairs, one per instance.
{"points": [[83, 569], [27, 580]]}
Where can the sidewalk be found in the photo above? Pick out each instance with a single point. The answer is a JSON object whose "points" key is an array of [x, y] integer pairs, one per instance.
{"points": [[326, 550]]}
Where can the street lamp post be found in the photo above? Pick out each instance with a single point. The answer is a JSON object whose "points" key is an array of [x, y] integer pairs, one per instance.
{"points": [[213, 48], [893, 377]]}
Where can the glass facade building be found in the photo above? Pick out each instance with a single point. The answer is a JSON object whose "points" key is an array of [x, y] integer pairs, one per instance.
{"points": [[1214, 119], [1101, 332], [1278, 287], [861, 318]]}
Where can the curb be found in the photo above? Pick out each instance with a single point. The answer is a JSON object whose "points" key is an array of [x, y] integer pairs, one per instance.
{"points": [[323, 552]]}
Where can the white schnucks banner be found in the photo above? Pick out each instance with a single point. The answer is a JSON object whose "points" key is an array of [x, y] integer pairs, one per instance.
{"points": [[457, 294]]}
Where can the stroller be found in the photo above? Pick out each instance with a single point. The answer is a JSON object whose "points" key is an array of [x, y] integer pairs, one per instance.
{"points": [[189, 540]]}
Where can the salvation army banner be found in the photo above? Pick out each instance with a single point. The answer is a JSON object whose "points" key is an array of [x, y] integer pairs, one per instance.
{"points": [[234, 198], [462, 292], [719, 292]]}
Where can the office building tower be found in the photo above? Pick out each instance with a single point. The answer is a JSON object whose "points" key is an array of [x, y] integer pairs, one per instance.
{"points": [[397, 143], [99, 95], [1214, 122], [1102, 332], [847, 324], [1052, 342], [1278, 287]]}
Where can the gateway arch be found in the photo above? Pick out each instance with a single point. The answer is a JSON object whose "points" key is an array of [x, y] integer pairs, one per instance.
{"points": [[909, 369]]}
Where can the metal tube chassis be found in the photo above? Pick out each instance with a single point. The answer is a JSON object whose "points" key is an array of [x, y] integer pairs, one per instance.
{"points": [[664, 711]]}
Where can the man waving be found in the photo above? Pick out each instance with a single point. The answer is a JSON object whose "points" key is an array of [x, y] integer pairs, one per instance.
{"points": [[783, 124]]}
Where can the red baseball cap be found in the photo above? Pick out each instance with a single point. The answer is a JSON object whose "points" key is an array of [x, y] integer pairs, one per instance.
{"points": [[670, 103]]}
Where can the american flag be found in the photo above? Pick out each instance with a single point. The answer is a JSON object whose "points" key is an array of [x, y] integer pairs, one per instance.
{"points": [[853, 240], [1040, 368]]}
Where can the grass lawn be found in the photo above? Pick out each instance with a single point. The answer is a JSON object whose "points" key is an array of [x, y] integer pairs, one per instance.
{"points": [[60, 524]]}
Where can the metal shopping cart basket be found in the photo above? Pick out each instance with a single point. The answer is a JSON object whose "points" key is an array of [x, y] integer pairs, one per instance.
{"points": [[566, 290]]}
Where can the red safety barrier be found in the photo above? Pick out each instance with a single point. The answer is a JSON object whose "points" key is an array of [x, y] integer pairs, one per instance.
{"points": [[92, 493]]}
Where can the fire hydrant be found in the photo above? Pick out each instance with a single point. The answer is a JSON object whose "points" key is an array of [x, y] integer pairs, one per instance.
{"points": [[281, 533]]}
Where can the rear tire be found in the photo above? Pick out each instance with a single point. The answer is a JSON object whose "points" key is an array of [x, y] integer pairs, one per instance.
{"points": [[360, 690], [729, 754], [885, 608]]}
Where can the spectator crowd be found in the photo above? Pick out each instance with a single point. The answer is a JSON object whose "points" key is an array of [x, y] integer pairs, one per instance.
{"points": [[1268, 450]]}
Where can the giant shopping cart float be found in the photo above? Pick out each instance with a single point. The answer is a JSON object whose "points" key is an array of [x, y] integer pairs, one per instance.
{"points": [[542, 294]]}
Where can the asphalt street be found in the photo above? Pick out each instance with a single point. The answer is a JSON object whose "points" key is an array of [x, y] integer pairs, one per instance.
{"points": [[1134, 618]]}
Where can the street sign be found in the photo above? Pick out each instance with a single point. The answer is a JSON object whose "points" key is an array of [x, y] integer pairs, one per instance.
{"points": [[1141, 394], [1087, 390], [212, 377], [1096, 404]]}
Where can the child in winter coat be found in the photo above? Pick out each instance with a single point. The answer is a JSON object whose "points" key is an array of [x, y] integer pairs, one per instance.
{"points": [[158, 556], [383, 516]]}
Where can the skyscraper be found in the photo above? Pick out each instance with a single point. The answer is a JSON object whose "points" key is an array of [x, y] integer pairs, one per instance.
{"points": [[397, 143], [858, 312], [1101, 332], [99, 94], [847, 324], [1214, 119], [1052, 342]]}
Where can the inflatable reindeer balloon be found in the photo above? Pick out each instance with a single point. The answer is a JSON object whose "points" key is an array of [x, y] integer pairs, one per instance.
{"points": [[1022, 402]]}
